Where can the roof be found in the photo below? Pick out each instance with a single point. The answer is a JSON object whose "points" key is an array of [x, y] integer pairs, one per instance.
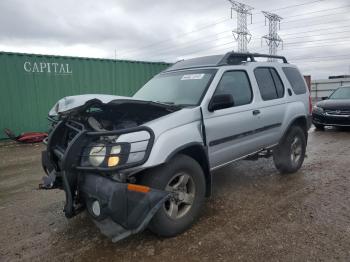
{"points": [[230, 58]]}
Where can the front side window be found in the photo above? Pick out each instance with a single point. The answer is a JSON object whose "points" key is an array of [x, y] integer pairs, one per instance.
{"points": [[179, 88], [269, 82], [295, 80], [236, 83]]}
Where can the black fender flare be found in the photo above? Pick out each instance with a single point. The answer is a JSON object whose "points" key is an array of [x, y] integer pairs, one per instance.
{"points": [[198, 152], [299, 120]]}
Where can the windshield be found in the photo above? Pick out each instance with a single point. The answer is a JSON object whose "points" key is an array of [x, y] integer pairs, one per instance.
{"points": [[178, 88], [341, 93]]}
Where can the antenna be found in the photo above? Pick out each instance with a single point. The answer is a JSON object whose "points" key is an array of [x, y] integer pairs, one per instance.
{"points": [[242, 34], [273, 40]]}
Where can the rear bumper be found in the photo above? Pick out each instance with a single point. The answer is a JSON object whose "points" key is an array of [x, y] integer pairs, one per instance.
{"points": [[330, 120]]}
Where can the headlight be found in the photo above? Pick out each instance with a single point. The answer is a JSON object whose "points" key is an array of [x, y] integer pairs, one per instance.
{"points": [[125, 150], [97, 154], [317, 109]]}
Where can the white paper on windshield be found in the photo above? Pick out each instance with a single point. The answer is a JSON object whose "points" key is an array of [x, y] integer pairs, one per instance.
{"points": [[193, 77]]}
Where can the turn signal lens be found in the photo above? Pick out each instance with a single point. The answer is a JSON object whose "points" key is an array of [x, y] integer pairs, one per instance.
{"points": [[138, 188], [113, 161], [116, 150]]}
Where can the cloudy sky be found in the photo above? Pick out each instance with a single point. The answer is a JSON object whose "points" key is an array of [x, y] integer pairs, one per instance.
{"points": [[316, 33]]}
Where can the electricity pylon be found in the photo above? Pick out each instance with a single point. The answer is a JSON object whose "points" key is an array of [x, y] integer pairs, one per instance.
{"points": [[241, 33], [273, 40]]}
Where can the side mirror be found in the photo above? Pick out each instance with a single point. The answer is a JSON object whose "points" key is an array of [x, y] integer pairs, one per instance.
{"points": [[324, 97], [220, 102]]}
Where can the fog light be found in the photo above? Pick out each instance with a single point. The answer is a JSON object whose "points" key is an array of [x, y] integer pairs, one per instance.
{"points": [[96, 208], [113, 161]]}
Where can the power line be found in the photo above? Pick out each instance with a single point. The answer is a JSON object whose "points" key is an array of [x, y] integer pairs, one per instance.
{"points": [[179, 48], [318, 57], [189, 43], [225, 44], [227, 36], [211, 25]]}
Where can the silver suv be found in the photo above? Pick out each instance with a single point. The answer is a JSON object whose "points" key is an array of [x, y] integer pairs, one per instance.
{"points": [[147, 161]]}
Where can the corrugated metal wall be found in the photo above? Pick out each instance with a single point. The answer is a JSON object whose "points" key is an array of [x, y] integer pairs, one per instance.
{"points": [[325, 87], [31, 84]]}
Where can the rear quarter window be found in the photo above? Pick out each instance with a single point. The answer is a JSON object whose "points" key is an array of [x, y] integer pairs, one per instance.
{"points": [[295, 80]]}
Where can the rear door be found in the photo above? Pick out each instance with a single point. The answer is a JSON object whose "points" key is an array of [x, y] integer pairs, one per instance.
{"points": [[272, 103]]}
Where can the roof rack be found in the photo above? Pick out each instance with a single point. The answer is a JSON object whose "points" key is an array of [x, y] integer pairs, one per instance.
{"points": [[230, 58], [233, 58]]}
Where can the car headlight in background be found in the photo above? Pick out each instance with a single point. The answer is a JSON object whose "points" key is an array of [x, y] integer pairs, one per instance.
{"points": [[317, 109]]}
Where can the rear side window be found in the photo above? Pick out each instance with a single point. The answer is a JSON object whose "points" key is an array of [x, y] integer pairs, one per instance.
{"points": [[295, 80], [237, 84], [269, 82]]}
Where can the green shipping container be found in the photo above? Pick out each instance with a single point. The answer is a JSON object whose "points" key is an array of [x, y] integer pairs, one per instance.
{"points": [[31, 84]]}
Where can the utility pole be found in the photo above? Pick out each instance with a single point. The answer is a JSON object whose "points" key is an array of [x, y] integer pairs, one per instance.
{"points": [[241, 34], [273, 39]]}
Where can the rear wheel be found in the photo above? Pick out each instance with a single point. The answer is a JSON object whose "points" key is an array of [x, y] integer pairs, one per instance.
{"points": [[184, 177], [289, 155], [319, 127]]}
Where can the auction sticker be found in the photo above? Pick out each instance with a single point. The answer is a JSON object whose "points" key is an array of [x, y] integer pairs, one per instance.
{"points": [[193, 77]]}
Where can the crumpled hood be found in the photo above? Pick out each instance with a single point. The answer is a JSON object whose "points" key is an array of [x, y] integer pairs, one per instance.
{"points": [[71, 102]]}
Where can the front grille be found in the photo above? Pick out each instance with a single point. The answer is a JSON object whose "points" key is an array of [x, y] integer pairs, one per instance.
{"points": [[338, 112], [64, 136]]}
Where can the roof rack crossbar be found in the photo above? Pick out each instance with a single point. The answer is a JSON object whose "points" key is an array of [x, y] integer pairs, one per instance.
{"points": [[237, 58], [272, 56]]}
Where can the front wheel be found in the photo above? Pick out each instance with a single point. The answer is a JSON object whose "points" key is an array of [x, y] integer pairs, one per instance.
{"points": [[184, 177], [289, 155]]}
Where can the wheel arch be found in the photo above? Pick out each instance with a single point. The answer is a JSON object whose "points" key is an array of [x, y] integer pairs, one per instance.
{"points": [[300, 121], [199, 153]]}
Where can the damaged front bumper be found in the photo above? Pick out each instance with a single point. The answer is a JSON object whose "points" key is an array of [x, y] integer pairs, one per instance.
{"points": [[118, 208]]}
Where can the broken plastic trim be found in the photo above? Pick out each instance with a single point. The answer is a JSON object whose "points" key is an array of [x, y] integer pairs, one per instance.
{"points": [[123, 211]]}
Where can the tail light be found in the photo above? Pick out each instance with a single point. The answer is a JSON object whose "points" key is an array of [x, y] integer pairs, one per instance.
{"points": [[310, 104]]}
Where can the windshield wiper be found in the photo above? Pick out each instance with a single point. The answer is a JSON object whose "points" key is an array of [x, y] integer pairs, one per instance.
{"points": [[172, 104], [167, 103]]}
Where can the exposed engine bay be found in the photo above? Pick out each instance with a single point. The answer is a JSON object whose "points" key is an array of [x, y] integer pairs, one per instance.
{"points": [[117, 115]]}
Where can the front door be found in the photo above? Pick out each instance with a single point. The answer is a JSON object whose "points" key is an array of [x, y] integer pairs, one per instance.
{"points": [[232, 132]]}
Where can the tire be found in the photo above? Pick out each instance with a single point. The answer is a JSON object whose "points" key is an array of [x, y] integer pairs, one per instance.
{"points": [[319, 127], [289, 155], [167, 222]]}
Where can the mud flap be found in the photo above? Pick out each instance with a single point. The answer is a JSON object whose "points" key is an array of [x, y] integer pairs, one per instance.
{"points": [[122, 211]]}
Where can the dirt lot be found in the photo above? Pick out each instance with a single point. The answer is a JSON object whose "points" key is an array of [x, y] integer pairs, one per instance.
{"points": [[255, 214]]}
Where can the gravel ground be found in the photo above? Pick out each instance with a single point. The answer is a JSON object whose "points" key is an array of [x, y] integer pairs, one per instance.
{"points": [[254, 214]]}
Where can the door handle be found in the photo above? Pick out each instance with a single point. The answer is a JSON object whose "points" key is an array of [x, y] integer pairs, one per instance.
{"points": [[256, 112]]}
